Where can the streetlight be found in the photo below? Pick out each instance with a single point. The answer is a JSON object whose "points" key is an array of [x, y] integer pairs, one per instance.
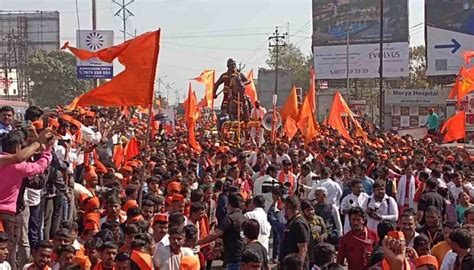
{"points": [[160, 80]]}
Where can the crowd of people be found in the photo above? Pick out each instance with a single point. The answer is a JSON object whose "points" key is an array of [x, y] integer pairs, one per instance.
{"points": [[90, 189]]}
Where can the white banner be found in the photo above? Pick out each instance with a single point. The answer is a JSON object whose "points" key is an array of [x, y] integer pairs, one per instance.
{"points": [[416, 96], [416, 133], [94, 40], [330, 62], [445, 49]]}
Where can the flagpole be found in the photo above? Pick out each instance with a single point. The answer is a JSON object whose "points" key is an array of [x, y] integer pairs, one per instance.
{"points": [[147, 143]]}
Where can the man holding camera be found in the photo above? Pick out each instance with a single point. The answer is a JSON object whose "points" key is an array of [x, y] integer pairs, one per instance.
{"points": [[380, 206]]}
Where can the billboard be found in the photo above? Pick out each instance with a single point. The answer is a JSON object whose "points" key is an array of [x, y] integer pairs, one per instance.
{"points": [[336, 20], [449, 32], [94, 40]]}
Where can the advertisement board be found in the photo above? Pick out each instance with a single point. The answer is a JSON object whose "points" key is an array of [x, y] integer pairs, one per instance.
{"points": [[94, 40], [359, 20], [449, 32]]}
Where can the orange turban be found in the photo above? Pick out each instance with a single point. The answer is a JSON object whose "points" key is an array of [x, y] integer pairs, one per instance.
{"points": [[91, 204], [93, 217], [173, 186], [76, 123], [66, 117], [177, 198], [91, 226]]}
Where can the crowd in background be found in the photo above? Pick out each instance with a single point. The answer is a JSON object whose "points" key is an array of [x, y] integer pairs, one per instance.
{"points": [[85, 189]]}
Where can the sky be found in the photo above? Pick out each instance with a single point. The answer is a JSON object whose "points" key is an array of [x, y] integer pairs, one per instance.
{"points": [[200, 34]]}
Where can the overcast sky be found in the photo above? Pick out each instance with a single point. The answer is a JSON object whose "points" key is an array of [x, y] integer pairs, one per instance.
{"points": [[201, 34]]}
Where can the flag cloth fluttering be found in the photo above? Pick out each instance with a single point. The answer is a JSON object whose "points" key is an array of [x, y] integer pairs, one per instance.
{"points": [[192, 115], [306, 120], [290, 109], [250, 89], [134, 85], [339, 106], [290, 128], [456, 127], [207, 77], [132, 149], [464, 84]]}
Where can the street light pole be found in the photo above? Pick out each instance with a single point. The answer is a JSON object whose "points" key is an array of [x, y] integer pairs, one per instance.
{"points": [[381, 92], [348, 30]]}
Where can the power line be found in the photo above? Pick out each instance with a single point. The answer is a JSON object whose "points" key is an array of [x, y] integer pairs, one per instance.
{"points": [[207, 47], [210, 36]]}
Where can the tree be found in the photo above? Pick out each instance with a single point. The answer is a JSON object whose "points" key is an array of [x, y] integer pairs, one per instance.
{"points": [[54, 78], [292, 58], [417, 78]]}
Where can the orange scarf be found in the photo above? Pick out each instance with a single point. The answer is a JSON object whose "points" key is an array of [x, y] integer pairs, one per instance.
{"points": [[282, 177]]}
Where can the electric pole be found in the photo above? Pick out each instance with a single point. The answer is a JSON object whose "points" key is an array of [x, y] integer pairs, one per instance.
{"points": [[124, 13], [348, 33], [381, 92], [276, 41], [94, 27]]}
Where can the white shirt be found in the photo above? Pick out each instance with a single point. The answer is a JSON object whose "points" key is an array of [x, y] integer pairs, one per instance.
{"points": [[265, 228], [387, 209], [350, 201], [455, 191], [89, 135], [5, 266], [333, 188], [32, 197], [165, 260], [413, 239], [279, 159], [257, 114], [263, 183], [448, 261]]}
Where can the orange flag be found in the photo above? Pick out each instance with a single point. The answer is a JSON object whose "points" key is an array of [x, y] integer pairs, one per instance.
{"points": [[192, 115], [118, 155], [73, 104], [335, 115], [307, 121], [207, 77], [456, 127], [290, 109], [132, 149], [250, 89], [134, 85], [464, 84], [290, 128]]}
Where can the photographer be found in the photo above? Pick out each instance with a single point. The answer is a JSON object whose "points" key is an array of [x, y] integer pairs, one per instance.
{"points": [[380, 206]]}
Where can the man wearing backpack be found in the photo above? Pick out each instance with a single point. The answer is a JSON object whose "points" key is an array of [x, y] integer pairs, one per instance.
{"points": [[380, 206]]}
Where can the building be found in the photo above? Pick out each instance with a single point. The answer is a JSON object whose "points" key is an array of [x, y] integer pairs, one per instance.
{"points": [[21, 33]]}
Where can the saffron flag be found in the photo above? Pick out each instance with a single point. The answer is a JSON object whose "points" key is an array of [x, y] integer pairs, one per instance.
{"points": [[290, 109], [250, 89], [307, 121], [132, 149], [118, 155], [290, 128], [73, 104], [192, 115], [464, 84], [207, 77], [335, 115], [133, 86], [456, 128]]}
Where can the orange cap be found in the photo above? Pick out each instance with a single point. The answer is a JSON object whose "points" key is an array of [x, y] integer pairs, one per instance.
{"points": [[177, 198], [426, 260], [130, 204], [93, 217], [91, 226], [53, 122], [76, 123], [160, 218], [38, 124]]}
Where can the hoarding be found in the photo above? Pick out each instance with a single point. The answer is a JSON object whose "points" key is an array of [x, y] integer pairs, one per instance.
{"points": [[359, 20], [449, 32], [94, 40]]}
